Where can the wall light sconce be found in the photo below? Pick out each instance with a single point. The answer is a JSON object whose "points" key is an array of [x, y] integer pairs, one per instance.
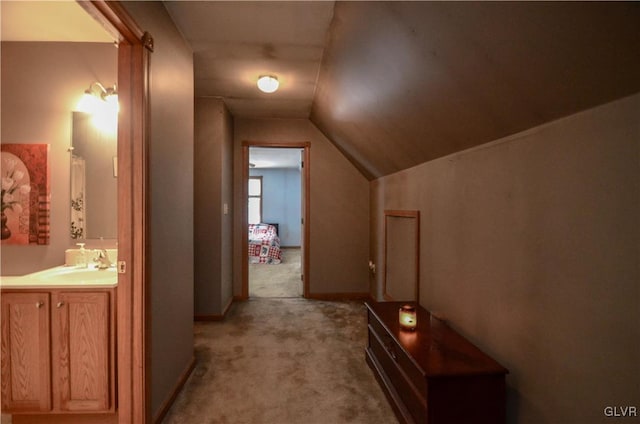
{"points": [[407, 318], [268, 83], [97, 97], [102, 104]]}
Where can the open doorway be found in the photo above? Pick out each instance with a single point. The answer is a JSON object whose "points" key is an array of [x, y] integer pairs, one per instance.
{"points": [[275, 214]]}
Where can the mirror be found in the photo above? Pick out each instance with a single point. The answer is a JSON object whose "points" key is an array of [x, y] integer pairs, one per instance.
{"points": [[94, 188]]}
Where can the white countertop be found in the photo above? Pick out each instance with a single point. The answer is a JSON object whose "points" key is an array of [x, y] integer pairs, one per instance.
{"points": [[63, 277]]}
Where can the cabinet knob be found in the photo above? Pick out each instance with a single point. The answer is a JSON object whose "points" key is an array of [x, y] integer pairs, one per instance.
{"points": [[60, 304], [39, 305], [391, 351], [393, 354]]}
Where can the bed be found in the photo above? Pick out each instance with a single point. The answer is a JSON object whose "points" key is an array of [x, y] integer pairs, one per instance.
{"points": [[264, 244]]}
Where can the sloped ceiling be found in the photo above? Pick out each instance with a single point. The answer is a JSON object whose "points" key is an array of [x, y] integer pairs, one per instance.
{"points": [[394, 84], [402, 83]]}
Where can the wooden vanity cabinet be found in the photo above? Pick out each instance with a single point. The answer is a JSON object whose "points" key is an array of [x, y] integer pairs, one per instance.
{"points": [[58, 351], [81, 350], [26, 349]]}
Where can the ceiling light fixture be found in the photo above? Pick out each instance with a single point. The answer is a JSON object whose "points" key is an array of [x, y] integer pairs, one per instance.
{"points": [[268, 83]]}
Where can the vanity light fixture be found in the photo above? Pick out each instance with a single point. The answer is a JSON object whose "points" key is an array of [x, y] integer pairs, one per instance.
{"points": [[97, 96], [268, 83], [102, 104]]}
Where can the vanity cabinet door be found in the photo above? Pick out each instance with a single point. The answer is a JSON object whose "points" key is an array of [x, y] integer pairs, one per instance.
{"points": [[81, 351], [26, 373]]}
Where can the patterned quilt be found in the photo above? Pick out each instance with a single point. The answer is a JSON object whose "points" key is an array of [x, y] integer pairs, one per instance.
{"points": [[264, 244]]}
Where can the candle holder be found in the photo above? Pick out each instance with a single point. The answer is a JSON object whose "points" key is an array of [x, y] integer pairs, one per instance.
{"points": [[407, 318]]}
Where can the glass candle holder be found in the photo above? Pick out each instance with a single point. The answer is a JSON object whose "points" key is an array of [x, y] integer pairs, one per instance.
{"points": [[407, 318]]}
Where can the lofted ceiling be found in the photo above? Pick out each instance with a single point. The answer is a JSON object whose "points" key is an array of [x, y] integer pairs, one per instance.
{"points": [[394, 84], [391, 83], [403, 83]]}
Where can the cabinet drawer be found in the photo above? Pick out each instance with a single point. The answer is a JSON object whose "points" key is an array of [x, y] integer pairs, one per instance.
{"points": [[386, 356], [400, 357]]}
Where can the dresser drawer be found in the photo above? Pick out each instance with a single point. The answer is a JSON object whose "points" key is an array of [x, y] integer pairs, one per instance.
{"points": [[433, 375], [402, 360], [414, 400]]}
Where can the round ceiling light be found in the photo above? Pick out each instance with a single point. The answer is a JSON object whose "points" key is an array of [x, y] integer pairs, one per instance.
{"points": [[268, 83]]}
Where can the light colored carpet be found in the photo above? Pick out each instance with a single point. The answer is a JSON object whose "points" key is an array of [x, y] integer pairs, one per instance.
{"points": [[280, 280], [283, 361]]}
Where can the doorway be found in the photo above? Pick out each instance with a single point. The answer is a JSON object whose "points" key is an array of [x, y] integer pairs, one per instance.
{"points": [[132, 314], [275, 219], [274, 213]]}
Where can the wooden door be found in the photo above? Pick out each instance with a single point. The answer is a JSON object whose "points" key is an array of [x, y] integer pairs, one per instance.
{"points": [[26, 383], [401, 255], [81, 351]]}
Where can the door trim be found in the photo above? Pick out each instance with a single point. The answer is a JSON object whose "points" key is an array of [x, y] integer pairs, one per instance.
{"points": [[132, 313], [306, 177]]}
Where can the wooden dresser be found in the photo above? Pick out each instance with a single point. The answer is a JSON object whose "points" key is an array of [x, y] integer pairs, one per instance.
{"points": [[432, 375]]}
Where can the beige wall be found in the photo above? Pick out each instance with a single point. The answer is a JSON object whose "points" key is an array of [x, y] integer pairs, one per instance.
{"points": [[530, 247], [339, 207], [213, 184], [171, 200], [41, 86]]}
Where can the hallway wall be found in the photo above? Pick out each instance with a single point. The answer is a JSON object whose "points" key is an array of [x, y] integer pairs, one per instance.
{"points": [[339, 207], [170, 282], [529, 246], [213, 182]]}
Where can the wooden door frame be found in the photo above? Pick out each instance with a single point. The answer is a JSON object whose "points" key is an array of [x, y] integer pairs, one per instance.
{"points": [[132, 312], [306, 178]]}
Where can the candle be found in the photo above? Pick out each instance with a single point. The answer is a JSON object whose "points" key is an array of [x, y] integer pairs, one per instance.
{"points": [[407, 318]]}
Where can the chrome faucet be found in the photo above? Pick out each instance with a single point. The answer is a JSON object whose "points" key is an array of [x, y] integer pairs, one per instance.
{"points": [[102, 259]]}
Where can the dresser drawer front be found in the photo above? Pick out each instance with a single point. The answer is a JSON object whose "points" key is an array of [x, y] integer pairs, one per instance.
{"points": [[413, 400], [400, 357]]}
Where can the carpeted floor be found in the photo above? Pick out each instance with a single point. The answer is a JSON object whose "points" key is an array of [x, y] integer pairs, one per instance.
{"points": [[280, 280], [282, 361]]}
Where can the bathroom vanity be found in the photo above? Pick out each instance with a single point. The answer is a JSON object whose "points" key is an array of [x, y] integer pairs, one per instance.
{"points": [[58, 341]]}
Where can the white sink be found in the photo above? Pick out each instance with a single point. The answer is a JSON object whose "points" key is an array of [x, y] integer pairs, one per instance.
{"points": [[63, 276]]}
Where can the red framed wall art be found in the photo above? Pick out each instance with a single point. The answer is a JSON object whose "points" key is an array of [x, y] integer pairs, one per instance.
{"points": [[26, 199]]}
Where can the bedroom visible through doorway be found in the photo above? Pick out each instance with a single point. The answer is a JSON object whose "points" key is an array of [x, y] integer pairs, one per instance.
{"points": [[274, 213]]}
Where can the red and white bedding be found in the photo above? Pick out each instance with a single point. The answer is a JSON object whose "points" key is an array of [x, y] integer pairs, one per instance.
{"points": [[264, 244]]}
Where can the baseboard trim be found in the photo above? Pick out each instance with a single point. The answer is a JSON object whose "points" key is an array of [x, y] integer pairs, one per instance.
{"points": [[166, 405], [208, 318], [339, 296], [215, 317], [110, 418]]}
